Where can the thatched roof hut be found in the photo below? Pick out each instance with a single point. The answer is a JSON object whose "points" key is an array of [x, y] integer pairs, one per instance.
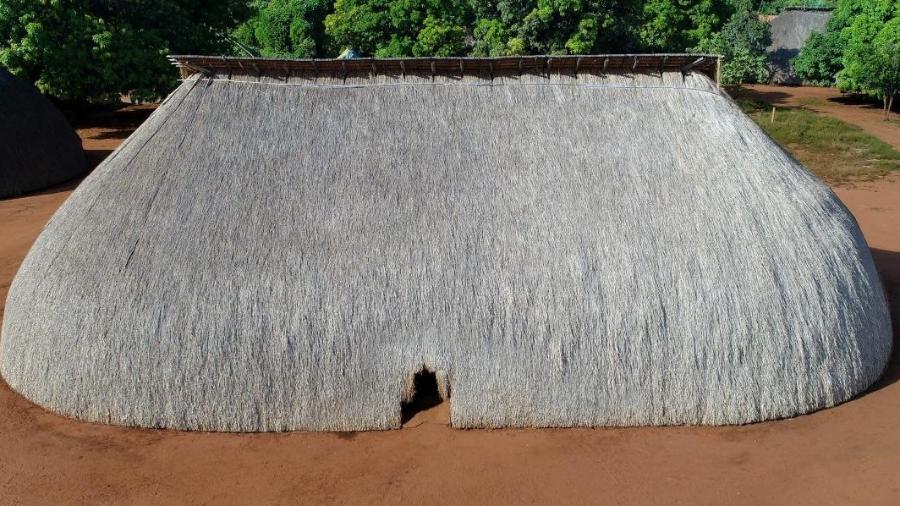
{"points": [[790, 29], [595, 241], [38, 148]]}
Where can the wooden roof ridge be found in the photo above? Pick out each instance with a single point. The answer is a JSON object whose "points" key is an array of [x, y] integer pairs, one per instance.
{"points": [[451, 66]]}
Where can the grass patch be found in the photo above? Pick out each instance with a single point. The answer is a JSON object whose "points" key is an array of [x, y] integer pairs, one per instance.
{"points": [[834, 150], [812, 102]]}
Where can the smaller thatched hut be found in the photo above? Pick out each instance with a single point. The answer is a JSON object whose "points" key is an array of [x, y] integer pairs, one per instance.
{"points": [[790, 29], [38, 148]]}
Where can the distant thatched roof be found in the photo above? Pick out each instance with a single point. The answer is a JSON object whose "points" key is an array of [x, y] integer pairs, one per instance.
{"points": [[38, 148], [275, 252], [790, 29]]}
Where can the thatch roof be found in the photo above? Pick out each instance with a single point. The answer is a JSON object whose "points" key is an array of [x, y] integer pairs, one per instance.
{"points": [[38, 148], [790, 29], [274, 253]]}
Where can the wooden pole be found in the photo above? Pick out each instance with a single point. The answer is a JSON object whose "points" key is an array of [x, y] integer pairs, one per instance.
{"points": [[719, 72]]}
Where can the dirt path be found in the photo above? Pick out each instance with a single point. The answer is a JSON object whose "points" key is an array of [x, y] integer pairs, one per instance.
{"points": [[831, 102], [846, 455]]}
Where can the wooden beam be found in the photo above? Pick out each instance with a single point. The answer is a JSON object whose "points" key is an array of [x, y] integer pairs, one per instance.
{"points": [[689, 66]]}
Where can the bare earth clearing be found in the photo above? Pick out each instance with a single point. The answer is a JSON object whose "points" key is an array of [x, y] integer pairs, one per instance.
{"points": [[846, 455]]}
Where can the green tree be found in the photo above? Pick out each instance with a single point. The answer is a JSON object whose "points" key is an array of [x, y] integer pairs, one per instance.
{"points": [[846, 11], [821, 59], [556, 26], [387, 28], [836, 55], [491, 38], [865, 21], [742, 41], [292, 28], [439, 37], [877, 68], [676, 25], [98, 50]]}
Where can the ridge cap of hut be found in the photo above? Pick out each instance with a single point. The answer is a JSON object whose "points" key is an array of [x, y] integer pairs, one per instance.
{"points": [[451, 66], [802, 8]]}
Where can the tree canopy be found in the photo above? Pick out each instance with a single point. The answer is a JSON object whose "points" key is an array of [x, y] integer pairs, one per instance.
{"points": [[486, 28], [387, 28], [858, 51], [821, 58], [285, 28], [742, 41], [671, 25], [512, 27], [100, 49], [865, 21], [875, 67]]}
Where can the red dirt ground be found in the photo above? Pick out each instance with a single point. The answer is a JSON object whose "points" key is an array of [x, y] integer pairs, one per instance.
{"points": [[846, 455]]}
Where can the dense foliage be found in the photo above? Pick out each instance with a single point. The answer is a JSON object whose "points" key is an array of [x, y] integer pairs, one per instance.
{"points": [[557, 26], [100, 49], [860, 50], [684, 24], [876, 67], [821, 59], [510, 27], [495, 28], [285, 28], [743, 41], [400, 27]]}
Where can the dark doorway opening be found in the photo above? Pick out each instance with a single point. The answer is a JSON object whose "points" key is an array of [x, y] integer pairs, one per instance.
{"points": [[425, 395]]}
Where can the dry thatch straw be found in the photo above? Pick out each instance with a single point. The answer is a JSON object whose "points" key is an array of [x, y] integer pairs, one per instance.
{"points": [[271, 253], [38, 148], [790, 29]]}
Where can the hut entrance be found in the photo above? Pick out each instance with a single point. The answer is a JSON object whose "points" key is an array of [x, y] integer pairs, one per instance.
{"points": [[426, 394]]}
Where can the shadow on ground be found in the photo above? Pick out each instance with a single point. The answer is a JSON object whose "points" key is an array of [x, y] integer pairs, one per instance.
{"points": [[888, 264], [95, 156], [863, 102], [126, 117], [776, 98]]}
